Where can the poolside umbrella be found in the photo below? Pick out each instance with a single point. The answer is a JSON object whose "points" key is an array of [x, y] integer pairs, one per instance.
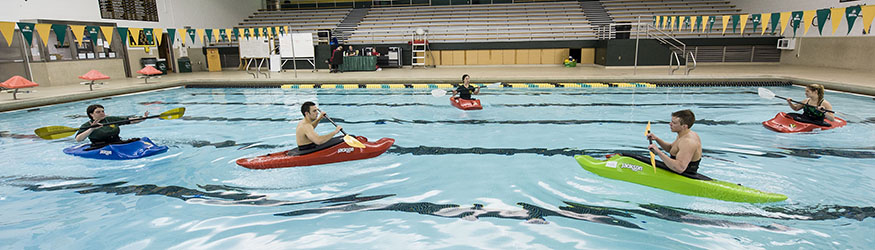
{"points": [[149, 70], [17, 82], [92, 76]]}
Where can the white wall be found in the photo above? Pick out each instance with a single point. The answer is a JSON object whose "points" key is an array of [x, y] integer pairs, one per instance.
{"points": [[171, 13], [771, 6]]}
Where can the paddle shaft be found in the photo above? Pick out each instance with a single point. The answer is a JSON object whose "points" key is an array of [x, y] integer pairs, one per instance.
{"points": [[332, 123], [129, 120], [806, 104]]}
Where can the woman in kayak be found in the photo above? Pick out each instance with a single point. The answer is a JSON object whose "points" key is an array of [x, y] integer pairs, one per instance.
{"points": [[466, 90], [814, 109], [685, 152], [103, 135]]}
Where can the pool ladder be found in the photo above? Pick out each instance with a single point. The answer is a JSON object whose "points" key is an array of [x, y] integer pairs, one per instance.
{"points": [[674, 58]]}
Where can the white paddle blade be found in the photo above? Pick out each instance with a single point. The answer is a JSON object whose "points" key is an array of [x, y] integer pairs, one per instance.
{"points": [[438, 92], [494, 85], [765, 93]]}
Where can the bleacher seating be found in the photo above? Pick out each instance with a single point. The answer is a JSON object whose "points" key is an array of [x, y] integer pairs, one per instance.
{"points": [[630, 11], [297, 20], [482, 22]]}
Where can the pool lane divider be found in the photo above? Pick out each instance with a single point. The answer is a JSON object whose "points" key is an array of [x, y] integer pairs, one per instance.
{"points": [[450, 86]]}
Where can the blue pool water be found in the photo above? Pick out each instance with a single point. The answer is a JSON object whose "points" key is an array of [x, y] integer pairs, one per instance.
{"points": [[500, 178]]}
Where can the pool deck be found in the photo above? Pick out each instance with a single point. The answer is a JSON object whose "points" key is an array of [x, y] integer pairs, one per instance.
{"points": [[855, 81]]}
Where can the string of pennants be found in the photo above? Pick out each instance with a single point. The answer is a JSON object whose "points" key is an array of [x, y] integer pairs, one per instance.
{"points": [[81, 32], [766, 20]]}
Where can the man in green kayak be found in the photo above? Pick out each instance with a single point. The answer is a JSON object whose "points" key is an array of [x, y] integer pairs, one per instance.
{"points": [[102, 135], [305, 133], [685, 152]]}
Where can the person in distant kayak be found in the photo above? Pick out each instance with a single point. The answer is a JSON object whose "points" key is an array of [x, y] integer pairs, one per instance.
{"points": [[685, 153], [103, 135], [305, 133], [815, 111], [466, 90]]}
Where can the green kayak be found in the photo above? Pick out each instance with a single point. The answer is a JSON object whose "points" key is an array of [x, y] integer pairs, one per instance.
{"points": [[631, 170]]}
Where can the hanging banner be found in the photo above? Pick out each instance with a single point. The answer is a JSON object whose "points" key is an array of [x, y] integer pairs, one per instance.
{"points": [[734, 19], [661, 21], [255, 32], [159, 36], [836, 20], [228, 33], [200, 34], [209, 33], [867, 11], [236, 33], [135, 34], [687, 22], [725, 23], [122, 34], [655, 20], [785, 19], [149, 35], [265, 32], [822, 15], [755, 21], [851, 14], [192, 33], [26, 30], [93, 33], [711, 21], [743, 22], [246, 33], [223, 34], [704, 23], [282, 30], [216, 34], [273, 31], [698, 24], [44, 29], [78, 32], [766, 18], [795, 21], [60, 32], [171, 36], [107, 33], [807, 18], [8, 30]]}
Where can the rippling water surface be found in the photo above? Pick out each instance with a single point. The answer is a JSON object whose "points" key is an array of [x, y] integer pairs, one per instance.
{"points": [[500, 178]]}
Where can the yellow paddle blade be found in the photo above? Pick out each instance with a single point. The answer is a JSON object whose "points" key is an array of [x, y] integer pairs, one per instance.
{"points": [[647, 130], [54, 132], [172, 114], [652, 160], [353, 142]]}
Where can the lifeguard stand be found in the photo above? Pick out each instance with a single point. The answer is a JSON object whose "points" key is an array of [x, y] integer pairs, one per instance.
{"points": [[419, 48]]}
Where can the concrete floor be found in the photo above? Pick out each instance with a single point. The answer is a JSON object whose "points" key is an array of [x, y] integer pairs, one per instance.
{"points": [[839, 79]]}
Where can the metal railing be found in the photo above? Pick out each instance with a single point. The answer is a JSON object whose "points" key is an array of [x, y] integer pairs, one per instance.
{"points": [[473, 34]]}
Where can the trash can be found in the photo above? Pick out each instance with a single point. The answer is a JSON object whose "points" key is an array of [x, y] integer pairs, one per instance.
{"points": [[184, 64], [161, 65], [148, 61]]}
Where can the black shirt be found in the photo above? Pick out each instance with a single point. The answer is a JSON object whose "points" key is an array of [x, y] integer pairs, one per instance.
{"points": [[465, 93]]}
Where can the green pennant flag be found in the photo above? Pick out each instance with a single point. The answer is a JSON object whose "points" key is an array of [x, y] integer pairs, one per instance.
{"points": [[171, 36], [93, 32], [192, 33], [698, 23], [149, 36], [236, 33], [711, 22], [655, 19], [123, 34], [687, 22], [60, 32], [209, 34], [26, 29], [822, 15], [246, 33], [677, 22], [851, 13], [775, 17], [756, 19], [795, 19], [223, 35], [265, 32], [283, 30], [273, 31], [735, 19]]}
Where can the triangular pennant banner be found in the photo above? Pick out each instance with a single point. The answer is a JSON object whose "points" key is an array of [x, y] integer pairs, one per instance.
{"points": [[822, 15], [223, 34], [766, 18], [796, 19], [171, 36], [26, 30], [182, 34], [246, 33], [868, 12], [200, 34], [755, 20], [743, 22], [851, 14], [192, 33], [236, 33], [785, 18], [725, 23], [216, 34], [60, 32], [735, 20], [78, 32], [807, 17], [149, 36], [776, 20], [688, 22], [209, 35], [122, 34], [703, 20], [135, 33], [93, 33], [273, 31], [159, 35], [835, 16], [711, 21], [677, 22], [697, 25], [44, 29], [107, 33], [8, 30]]}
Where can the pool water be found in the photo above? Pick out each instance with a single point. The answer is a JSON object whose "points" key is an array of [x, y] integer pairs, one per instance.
{"points": [[500, 178]]}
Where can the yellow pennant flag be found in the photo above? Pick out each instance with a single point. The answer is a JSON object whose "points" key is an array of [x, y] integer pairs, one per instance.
{"points": [[200, 34], [159, 35], [78, 32], [135, 33], [253, 32], [107, 33], [765, 17], [785, 18], [836, 16], [725, 22], [8, 30], [807, 18], [867, 12], [705, 22], [743, 22], [183, 33], [43, 29], [216, 35]]}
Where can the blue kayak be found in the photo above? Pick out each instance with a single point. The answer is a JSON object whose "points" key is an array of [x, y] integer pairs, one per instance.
{"points": [[131, 150]]}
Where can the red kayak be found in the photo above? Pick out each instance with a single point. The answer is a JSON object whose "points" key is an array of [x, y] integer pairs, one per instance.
{"points": [[785, 124], [465, 104], [337, 153]]}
